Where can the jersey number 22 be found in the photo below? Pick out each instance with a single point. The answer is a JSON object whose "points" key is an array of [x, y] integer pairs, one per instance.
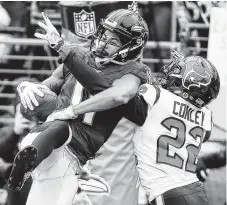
{"points": [[165, 141]]}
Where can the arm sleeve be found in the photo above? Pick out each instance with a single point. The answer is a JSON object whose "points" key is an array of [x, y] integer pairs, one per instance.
{"points": [[56, 80], [138, 69], [85, 74], [136, 110]]}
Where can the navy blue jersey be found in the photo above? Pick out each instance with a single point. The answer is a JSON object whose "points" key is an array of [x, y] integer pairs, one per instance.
{"points": [[91, 130]]}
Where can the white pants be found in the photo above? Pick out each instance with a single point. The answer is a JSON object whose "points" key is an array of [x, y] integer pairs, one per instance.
{"points": [[52, 176], [54, 191], [54, 180]]}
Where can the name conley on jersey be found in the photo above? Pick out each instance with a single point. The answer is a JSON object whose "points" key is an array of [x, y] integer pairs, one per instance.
{"points": [[186, 112]]}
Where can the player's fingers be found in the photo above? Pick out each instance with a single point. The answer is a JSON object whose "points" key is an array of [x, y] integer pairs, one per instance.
{"points": [[20, 89], [37, 91], [203, 174], [32, 97], [42, 25], [28, 102], [41, 36], [43, 86], [24, 121], [47, 20], [23, 101]]}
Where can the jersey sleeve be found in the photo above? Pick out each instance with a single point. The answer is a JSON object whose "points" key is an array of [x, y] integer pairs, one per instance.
{"points": [[85, 74], [150, 93], [56, 80], [136, 110], [138, 69], [142, 74]]}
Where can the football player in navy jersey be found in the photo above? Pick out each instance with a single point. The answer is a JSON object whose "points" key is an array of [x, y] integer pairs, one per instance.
{"points": [[116, 52]]}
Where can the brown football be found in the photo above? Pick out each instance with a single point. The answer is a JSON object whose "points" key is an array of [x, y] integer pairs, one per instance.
{"points": [[47, 105]]}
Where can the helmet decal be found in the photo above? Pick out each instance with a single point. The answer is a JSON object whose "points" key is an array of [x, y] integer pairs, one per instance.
{"points": [[193, 78], [194, 75], [133, 7]]}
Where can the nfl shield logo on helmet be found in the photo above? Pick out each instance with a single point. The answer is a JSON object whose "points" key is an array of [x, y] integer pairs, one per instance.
{"points": [[85, 25]]}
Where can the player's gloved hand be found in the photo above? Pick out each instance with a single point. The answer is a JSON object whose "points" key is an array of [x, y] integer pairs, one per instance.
{"points": [[27, 91], [66, 114], [52, 36]]}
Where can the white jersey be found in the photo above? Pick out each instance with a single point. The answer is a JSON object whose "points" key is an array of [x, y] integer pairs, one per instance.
{"points": [[168, 143]]}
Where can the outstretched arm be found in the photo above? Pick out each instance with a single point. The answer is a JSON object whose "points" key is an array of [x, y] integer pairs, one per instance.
{"points": [[74, 61], [122, 90]]}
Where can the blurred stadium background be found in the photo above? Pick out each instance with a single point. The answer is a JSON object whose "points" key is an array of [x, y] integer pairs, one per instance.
{"points": [[193, 28]]}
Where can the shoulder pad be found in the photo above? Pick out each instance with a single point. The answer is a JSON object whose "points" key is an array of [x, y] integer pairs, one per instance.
{"points": [[150, 93]]}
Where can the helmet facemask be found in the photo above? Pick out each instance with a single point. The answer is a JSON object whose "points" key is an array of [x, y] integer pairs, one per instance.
{"points": [[98, 38], [172, 69]]}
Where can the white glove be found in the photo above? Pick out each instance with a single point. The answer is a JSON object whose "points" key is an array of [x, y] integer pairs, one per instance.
{"points": [[52, 36], [66, 114], [26, 91]]}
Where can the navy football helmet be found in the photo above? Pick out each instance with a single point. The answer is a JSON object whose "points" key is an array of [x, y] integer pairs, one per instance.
{"points": [[193, 78], [131, 29]]}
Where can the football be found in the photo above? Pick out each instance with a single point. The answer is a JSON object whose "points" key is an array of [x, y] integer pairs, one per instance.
{"points": [[47, 105]]}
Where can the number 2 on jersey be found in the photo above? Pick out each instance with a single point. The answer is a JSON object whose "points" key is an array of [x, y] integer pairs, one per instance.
{"points": [[164, 141]]}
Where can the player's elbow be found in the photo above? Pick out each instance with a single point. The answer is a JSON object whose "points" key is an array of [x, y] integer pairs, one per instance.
{"points": [[122, 98]]}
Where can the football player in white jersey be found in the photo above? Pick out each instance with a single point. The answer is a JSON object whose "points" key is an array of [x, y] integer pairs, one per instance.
{"points": [[168, 143]]}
